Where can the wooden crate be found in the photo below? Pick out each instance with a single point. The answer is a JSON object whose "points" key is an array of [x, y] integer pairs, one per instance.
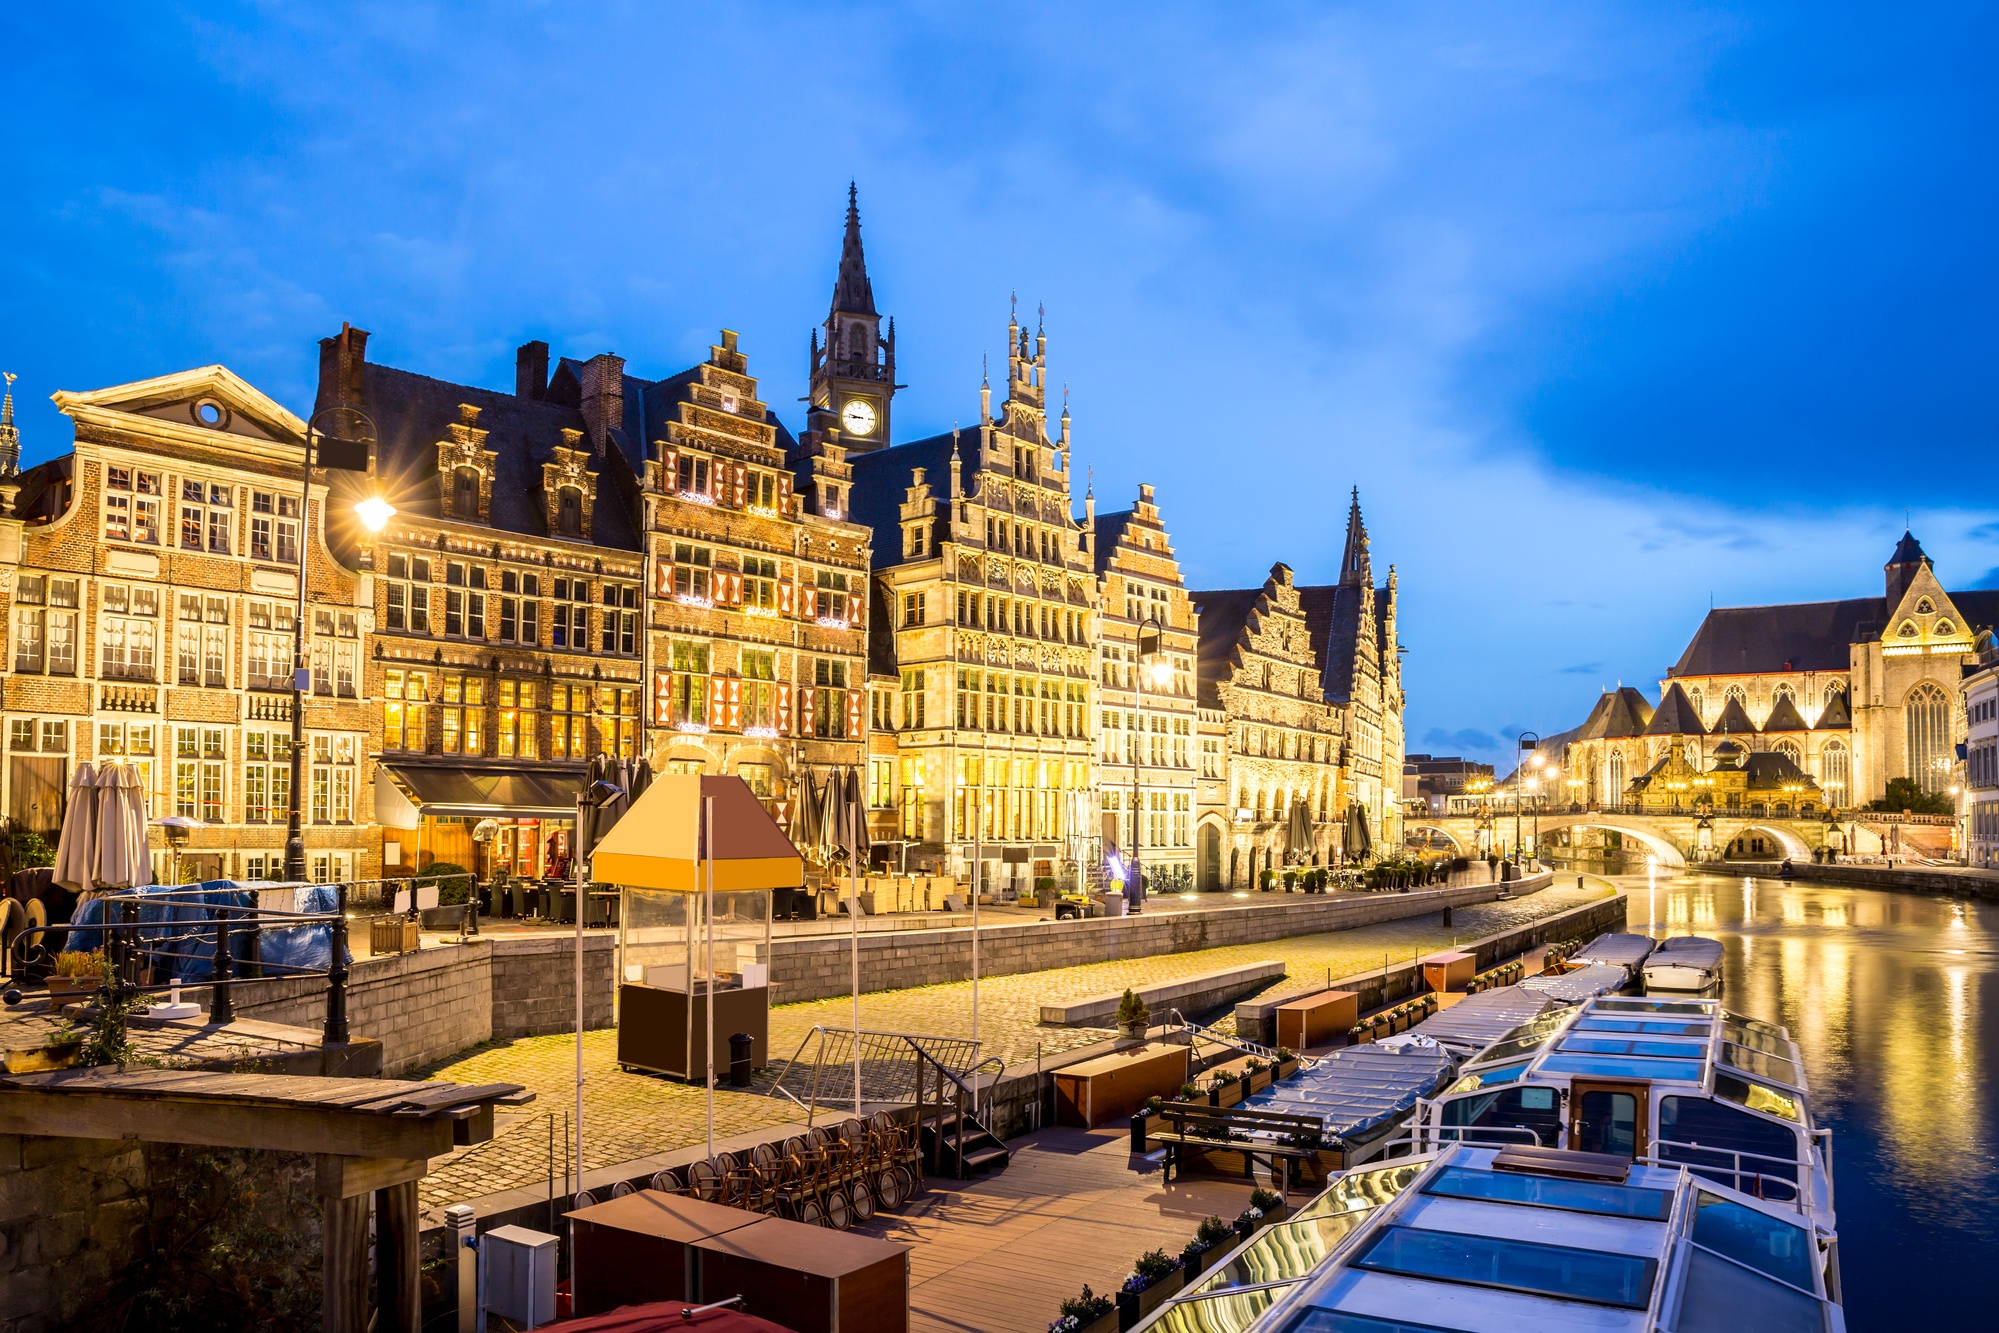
{"points": [[1448, 971], [1108, 1089], [640, 1248], [392, 934], [807, 1278], [1317, 1019]]}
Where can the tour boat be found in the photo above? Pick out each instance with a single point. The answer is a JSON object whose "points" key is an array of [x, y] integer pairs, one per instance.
{"points": [[1684, 963], [1626, 951], [1648, 1164]]}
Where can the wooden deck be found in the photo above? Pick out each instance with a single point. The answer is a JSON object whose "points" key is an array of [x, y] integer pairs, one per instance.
{"points": [[1001, 1253]]}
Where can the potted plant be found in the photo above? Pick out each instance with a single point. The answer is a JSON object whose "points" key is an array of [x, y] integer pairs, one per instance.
{"points": [[77, 974], [1256, 1074], [1141, 1123], [1270, 1203], [1154, 1277], [1208, 1237], [1227, 1087], [1087, 1313], [1133, 1018], [1287, 1062]]}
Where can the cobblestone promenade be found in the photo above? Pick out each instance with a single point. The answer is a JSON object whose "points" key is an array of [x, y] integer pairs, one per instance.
{"points": [[629, 1116]]}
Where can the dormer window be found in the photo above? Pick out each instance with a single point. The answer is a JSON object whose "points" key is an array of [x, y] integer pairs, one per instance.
{"points": [[569, 512], [465, 493]]}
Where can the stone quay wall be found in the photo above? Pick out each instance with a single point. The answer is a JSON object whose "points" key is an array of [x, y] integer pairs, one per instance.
{"points": [[1898, 879]]}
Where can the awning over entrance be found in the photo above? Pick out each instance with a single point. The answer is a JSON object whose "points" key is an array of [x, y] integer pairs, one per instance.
{"points": [[487, 790]]}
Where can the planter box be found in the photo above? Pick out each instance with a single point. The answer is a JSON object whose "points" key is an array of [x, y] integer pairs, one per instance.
{"points": [[1286, 1068], [1228, 1094], [1134, 1307], [1193, 1265], [392, 934], [63, 990], [1104, 1323], [1141, 1132], [1259, 1080]]}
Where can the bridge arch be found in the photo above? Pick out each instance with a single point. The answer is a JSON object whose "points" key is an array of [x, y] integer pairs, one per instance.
{"points": [[1661, 847], [1793, 847], [1423, 826]]}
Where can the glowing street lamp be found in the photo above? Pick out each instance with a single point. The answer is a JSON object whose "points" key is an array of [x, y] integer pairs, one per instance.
{"points": [[374, 513]]}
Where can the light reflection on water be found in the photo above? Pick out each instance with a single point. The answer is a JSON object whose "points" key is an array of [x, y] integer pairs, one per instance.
{"points": [[1891, 999]]}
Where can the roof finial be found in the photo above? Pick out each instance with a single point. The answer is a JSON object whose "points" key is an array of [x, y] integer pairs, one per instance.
{"points": [[10, 435], [1040, 316]]}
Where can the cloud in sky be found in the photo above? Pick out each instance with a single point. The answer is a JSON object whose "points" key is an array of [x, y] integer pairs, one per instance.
{"points": [[1608, 312]]}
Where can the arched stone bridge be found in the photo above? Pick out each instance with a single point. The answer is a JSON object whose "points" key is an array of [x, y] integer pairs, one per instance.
{"points": [[1673, 839]]}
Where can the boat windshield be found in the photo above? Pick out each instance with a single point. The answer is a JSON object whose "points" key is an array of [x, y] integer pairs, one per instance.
{"points": [[1620, 1280], [1758, 1098], [1767, 1244], [1651, 1007], [1758, 1038], [1230, 1312], [1623, 1066], [1575, 1196], [1761, 1063], [1485, 1078], [1358, 1191]]}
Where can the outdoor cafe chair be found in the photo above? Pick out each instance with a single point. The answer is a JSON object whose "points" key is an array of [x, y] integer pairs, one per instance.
{"points": [[705, 1181], [668, 1182], [622, 1188]]}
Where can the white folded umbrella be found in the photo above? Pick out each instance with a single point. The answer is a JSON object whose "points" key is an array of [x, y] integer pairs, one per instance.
{"points": [[76, 850], [123, 860]]}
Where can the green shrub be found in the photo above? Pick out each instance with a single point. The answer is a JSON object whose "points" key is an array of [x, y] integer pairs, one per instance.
{"points": [[1044, 885], [1213, 1231], [451, 893], [1189, 1093], [1263, 1199], [1087, 1308], [1906, 794], [1153, 1265], [1131, 1009]]}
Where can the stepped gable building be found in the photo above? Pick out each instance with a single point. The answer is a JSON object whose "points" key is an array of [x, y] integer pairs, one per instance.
{"points": [[1148, 749], [1308, 683], [151, 581], [987, 589], [593, 564]]}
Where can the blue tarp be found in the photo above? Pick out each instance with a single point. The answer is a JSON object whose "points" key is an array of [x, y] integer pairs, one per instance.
{"points": [[178, 937], [1357, 1089]]}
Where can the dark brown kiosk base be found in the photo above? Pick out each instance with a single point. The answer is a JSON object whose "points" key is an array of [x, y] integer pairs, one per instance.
{"points": [[666, 1031]]}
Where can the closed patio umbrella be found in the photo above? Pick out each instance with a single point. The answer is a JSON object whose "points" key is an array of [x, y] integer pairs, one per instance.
{"points": [[1360, 843], [76, 849], [805, 814], [1298, 835], [122, 859]]}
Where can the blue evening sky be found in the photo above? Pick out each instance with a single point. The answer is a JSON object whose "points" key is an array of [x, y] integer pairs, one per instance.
{"points": [[1607, 310]]}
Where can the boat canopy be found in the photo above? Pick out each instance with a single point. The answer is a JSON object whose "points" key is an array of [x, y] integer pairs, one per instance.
{"points": [[1476, 1021], [1585, 983], [1687, 951], [1359, 1089], [1626, 951]]}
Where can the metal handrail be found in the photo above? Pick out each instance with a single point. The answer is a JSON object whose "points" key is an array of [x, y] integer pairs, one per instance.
{"points": [[1799, 1187], [1183, 1024]]}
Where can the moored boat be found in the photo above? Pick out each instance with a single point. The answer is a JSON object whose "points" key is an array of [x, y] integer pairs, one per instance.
{"points": [[1688, 964]]}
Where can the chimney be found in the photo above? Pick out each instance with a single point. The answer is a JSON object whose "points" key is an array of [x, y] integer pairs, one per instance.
{"points": [[531, 370], [603, 382], [342, 363]]}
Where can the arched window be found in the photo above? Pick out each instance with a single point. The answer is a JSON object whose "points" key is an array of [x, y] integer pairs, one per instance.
{"points": [[1924, 607], [1834, 768], [1927, 719], [569, 512], [1789, 749], [1782, 692], [1908, 630], [1699, 701], [1944, 627], [1613, 793], [465, 493], [1833, 688], [857, 341], [1733, 692]]}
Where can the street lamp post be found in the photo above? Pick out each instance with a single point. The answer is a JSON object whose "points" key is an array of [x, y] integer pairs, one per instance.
{"points": [[377, 512], [1529, 742], [1150, 632]]}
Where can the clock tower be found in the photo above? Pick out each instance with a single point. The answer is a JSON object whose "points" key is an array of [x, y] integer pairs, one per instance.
{"points": [[853, 368]]}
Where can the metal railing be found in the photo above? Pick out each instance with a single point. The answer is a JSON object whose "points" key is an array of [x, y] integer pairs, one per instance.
{"points": [[1734, 1174], [157, 940], [896, 1068], [1178, 1022]]}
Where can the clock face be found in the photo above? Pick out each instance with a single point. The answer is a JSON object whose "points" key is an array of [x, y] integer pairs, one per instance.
{"points": [[858, 417]]}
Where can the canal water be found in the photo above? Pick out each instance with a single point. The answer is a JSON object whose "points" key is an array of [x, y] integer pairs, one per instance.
{"points": [[1893, 1000]]}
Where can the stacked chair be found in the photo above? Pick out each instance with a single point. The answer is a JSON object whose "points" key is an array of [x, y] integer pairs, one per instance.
{"points": [[831, 1176]]}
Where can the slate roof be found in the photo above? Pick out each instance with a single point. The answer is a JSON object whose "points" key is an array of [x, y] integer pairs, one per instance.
{"points": [[1222, 614], [412, 413], [1109, 533], [1784, 717], [1677, 715], [1332, 623], [1803, 636], [1768, 768], [882, 476], [1618, 713], [1734, 721]]}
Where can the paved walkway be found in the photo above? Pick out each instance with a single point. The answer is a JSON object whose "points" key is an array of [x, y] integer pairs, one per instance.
{"points": [[1002, 1253], [630, 1116]]}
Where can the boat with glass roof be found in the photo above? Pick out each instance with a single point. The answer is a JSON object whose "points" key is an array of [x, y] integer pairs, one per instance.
{"points": [[1472, 1238], [1673, 1081]]}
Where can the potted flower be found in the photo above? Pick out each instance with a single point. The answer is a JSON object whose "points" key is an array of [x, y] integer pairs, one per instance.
{"points": [[1141, 1123], [1256, 1074], [1287, 1062], [1264, 1208], [1227, 1088], [1207, 1238], [1133, 1018], [77, 974], [1087, 1313], [1154, 1278]]}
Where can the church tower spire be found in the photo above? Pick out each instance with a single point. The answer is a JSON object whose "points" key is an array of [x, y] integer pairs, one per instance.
{"points": [[853, 365], [1354, 566], [10, 434]]}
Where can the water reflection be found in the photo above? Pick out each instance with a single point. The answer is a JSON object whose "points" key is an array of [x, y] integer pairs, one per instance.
{"points": [[1891, 999]]}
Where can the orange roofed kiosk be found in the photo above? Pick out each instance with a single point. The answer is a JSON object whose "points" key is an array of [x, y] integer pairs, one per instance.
{"points": [[695, 859]]}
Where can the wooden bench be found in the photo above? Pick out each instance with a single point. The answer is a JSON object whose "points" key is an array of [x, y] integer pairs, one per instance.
{"points": [[1205, 1129], [1316, 1019]]}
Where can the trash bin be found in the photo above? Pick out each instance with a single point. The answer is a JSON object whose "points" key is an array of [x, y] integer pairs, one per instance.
{"points": [[739, 1059]]}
